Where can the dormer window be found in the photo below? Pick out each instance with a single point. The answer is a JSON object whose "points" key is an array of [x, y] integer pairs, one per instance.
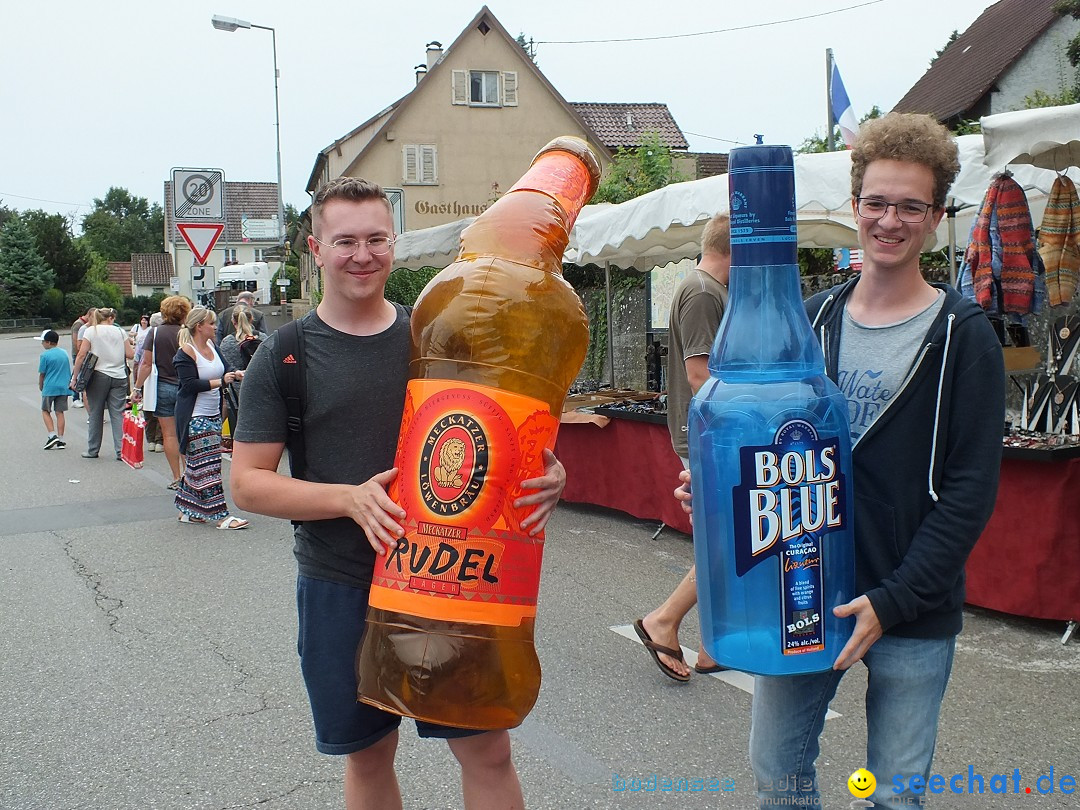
{"points": [[485, 88]]}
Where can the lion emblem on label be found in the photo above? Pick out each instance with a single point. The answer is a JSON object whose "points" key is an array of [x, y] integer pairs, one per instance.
{"points": [[451, 457]]}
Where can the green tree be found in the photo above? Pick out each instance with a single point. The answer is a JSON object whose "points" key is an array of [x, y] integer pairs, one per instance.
{"points": [[23, 274], [404, 286], [64, 255], [955, 35], [121, 224], [817, 143], [528, 46], [637, 171]]}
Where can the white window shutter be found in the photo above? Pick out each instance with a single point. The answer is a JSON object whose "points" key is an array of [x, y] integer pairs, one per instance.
{"points": [[461, 87], [428, 165], [410, 171], [509, 88]]}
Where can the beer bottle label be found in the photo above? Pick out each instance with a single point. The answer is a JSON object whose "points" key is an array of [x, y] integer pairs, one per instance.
{"points": [[791, 496], [463, 451]]}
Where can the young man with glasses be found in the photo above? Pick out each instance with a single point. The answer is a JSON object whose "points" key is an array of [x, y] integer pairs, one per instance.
{"points": [[356, 365], [924, 377]]}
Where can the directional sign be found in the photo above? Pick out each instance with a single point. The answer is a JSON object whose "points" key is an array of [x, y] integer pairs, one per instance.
{"points": [[200, 237], [202, 277], [198, 194]]}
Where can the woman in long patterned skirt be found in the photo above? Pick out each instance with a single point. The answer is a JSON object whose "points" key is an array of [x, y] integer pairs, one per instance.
{"points": [[203, 373]]}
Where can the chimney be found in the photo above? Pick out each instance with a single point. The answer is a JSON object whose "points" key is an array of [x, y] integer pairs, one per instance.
{"points": [[421, 72], [434, 53], [629, 121]]}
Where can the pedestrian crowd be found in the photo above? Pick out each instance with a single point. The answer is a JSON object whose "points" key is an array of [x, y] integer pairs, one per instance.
{"points": [[167, 369]]}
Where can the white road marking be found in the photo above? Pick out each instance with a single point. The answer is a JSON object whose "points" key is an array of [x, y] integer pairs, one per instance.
{"points": [[13, 364], [740, 680]]}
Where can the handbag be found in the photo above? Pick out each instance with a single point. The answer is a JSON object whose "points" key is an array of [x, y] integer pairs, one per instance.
{"points": [[149, 399], [86, 370], [131, 449]]}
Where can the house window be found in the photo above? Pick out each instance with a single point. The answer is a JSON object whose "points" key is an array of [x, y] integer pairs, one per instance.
{"points": [[485, 88], [260, 254], [230, 255], [420, 164]]}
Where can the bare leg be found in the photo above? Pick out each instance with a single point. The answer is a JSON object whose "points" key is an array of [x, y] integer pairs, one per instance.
{"points": [[489, 780], [662, 624], [46, 417], [172, 444], [61, 423], [370, 781]]}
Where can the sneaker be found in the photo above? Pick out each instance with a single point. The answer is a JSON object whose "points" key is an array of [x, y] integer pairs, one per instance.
{"points": [[150, 447], [60, 445], [89, 455], [77, 403], [159, 448], [51, 442]]}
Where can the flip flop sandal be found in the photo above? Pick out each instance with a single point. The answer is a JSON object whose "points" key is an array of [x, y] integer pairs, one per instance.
{"points": [[185, 518], [709, 670], [654, 649], [232, 523], [173, 486]]}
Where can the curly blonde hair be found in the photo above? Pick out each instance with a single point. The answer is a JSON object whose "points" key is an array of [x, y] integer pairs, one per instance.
{"points": [[911, 138]]}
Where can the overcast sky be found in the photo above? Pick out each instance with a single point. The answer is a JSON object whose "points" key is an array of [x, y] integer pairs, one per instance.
{"points": [[117, 92]]}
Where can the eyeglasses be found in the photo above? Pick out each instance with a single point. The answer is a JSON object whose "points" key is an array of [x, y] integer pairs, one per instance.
{"points": [[346, 248], [907, 211]]}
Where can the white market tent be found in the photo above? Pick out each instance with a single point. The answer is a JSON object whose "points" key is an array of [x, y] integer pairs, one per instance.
{"points": [[1048, 137], [665, 225]]}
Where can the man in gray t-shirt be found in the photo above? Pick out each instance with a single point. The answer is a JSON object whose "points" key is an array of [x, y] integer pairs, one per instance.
{"points": [[696, 310], [355, 364]]}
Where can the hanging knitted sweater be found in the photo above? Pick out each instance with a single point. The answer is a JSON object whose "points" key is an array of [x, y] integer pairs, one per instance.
{"points": [[1059, 241], [1002, 247]]}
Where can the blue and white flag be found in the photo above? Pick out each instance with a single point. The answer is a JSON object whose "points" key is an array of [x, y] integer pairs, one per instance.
{"points": [[843, 114]]}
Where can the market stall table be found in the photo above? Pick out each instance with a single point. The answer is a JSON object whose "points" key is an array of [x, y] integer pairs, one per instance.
{"points": [[1027, 561], [626, 464]]}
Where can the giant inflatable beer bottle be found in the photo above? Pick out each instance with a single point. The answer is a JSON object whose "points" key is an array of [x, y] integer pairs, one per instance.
{"points": [[498, 337]]}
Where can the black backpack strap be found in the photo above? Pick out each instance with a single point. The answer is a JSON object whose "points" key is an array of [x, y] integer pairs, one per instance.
{"points": [[291, 378]]}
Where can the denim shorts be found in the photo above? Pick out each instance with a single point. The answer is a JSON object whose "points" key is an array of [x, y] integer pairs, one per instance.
{"points": [[166, 399], [331, 625]]}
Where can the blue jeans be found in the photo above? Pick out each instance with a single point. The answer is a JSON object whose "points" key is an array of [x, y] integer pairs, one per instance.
{"points": [[906, 685]]}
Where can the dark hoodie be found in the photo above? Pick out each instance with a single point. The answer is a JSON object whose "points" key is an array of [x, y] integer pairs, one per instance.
{"points": [[926, 471]]}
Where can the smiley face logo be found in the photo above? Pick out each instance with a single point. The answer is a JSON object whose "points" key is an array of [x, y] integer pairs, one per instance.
{"points": [[861, 783]]}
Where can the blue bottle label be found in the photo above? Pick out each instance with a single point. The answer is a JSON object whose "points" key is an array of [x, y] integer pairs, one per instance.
{"points": [[790, 497]]}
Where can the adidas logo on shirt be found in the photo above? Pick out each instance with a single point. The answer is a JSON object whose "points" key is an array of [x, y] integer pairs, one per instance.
{"points": [[290, 359]]}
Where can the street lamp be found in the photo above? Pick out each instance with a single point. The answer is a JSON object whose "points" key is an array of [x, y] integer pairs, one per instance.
{"points": [[231, 24]]}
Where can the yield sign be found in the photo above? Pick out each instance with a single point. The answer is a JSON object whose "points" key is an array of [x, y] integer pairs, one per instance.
{"points": [[200, 237]]}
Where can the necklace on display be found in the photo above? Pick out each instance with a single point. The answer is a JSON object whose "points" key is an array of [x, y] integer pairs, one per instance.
{"points": [[1064, 342]]}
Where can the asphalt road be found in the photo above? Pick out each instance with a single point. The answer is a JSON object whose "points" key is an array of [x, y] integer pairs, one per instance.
{"points": [[145, 664]]}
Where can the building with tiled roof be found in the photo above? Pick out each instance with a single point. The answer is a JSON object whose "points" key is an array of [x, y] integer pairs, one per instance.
{"points": [[1014, 48], [624, 125], [709, 164], [119, 273], [151, 273]]}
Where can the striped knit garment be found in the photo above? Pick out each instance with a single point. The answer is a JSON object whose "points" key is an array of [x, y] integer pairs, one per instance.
{"points": [[1002, 246], [1059, 241], [199, 494]]}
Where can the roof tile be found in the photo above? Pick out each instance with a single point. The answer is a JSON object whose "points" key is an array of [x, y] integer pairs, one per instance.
{"points": [[152, 269], [971, 64], [624, 124]]}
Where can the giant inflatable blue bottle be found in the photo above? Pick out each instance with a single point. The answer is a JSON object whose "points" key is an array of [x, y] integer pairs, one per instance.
{"points": [[770, 451]]}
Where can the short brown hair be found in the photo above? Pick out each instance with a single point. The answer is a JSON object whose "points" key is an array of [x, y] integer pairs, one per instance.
{"points": [[346, 188], [911, 138], [175, 309], [716, 238]]}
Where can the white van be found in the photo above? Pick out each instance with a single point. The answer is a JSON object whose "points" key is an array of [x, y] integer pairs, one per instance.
{"points": [[254, 277]]}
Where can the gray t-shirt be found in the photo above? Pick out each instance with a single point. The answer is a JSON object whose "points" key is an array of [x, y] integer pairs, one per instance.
{"points": [[353, 403], [875, 361], [697, 307]]}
